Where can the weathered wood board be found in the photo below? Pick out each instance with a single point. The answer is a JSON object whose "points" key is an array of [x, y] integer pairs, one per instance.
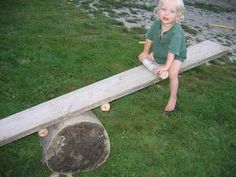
{"points": [[51, 112]]}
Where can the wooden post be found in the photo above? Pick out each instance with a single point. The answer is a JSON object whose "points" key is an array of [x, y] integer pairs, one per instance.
{"points": [[80, 143]]}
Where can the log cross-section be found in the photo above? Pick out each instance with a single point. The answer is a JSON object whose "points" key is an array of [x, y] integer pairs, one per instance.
{"points": [[80, 143], [51, 112]]}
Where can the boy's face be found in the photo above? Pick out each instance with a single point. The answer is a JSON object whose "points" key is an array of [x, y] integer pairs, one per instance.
{"points": [[168, 12]]}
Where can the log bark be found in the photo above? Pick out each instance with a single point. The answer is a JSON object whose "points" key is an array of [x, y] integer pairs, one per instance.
{"points": [[80, 143]]}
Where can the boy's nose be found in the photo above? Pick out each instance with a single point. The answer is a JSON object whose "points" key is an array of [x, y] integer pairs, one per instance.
{"points": [[166, 13]]}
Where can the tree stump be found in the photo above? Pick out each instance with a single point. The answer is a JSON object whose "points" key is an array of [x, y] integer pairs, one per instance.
{"points": [[80, 143]]}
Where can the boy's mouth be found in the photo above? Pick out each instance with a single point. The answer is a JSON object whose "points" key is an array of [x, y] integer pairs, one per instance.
{"points": [[165, 18]]}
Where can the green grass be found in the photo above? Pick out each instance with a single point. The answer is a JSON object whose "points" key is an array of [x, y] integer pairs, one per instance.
{"points": [[49, 48], [189, 29]]}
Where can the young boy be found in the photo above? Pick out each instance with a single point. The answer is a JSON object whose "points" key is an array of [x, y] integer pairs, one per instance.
{"points": [[167, 40]]}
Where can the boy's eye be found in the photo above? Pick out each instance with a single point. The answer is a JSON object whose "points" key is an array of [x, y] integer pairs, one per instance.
{"points": [[163, 8]]}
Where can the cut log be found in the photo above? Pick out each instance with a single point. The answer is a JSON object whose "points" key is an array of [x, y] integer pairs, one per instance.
{"points": [[105, 107], [74, 103], [43, 132], [80, 143]]}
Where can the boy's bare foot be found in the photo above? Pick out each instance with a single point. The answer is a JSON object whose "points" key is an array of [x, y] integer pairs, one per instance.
{"points": [[171, 105]]}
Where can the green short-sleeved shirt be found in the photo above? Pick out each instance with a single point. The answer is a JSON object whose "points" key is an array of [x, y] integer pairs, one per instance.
{"points": [[172, 41]]}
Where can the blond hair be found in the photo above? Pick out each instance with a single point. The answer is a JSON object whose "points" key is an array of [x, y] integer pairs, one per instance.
{"points": [[180, 9]]}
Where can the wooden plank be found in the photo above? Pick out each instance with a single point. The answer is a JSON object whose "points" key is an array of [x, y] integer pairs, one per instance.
{"points": [[51, 112], [222, 26]]}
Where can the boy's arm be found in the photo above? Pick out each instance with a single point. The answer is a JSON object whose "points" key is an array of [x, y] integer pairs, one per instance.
{"points": [[145, 53], [166, 66], [169, 61]]}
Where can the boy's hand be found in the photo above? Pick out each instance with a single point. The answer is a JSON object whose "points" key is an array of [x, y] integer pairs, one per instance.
{"points": [[160, 69], [142, 56]]}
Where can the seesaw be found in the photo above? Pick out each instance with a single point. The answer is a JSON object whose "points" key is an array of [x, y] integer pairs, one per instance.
{"points": [[74, 132]]}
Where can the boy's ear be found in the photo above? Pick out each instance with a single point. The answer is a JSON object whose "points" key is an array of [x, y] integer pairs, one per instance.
{"points": [[179, 18]]}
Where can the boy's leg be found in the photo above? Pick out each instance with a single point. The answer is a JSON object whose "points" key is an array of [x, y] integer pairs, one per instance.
{"points": [[151, 57], [174, 84]]}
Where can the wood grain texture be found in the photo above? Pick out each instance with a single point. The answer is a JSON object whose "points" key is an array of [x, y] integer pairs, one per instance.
{"points": [[80, 143], [74, 103]]}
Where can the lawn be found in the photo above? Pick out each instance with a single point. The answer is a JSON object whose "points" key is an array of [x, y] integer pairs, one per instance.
{"points": [[49, 48]]}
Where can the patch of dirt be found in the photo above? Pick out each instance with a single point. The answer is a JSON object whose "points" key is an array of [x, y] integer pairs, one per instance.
{"points": [[199, 16]]}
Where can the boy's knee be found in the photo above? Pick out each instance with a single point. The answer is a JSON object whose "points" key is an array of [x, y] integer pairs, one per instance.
{"points": [[173, 74], [174, 69]]}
